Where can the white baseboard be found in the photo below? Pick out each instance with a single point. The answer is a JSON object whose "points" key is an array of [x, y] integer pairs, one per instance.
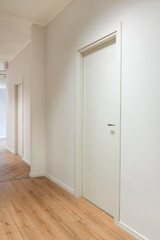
{"points": [[131, 232], [10, 150], [68, 189], [36, 174], [26, 161]]}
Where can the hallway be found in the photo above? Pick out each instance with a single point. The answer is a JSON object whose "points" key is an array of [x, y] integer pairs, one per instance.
{"points": [[11, 165]]}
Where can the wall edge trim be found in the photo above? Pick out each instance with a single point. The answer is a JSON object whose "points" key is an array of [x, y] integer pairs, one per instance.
{"points": [[59, 183], [130, 231], [10, 150], [26, 161], [37, 174]]}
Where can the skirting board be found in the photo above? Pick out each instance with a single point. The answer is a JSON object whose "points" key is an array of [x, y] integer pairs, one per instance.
{"points": [[34, 175], [60, 184], [131, 232], [26, 161], [10, 150]]}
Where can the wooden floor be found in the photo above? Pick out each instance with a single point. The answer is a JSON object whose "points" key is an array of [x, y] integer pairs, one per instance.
{"points": [[11, 165], [37, 209]]}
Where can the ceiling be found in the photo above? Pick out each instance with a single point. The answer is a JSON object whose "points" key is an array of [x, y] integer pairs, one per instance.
{"points": [[35, 11], [16, 17], [13, 37]]}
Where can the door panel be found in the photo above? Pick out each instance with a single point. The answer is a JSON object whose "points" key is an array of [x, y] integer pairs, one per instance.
{"points": [[98, 138]]}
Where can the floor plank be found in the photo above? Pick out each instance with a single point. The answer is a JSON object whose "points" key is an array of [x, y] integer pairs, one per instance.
{"points": [[20, 216], [8, 229], [11, 165], [31, 233]]}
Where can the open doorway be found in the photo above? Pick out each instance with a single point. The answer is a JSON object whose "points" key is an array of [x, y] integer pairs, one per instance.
{"points": [[3, 107], [12, 166], [18, 148]]}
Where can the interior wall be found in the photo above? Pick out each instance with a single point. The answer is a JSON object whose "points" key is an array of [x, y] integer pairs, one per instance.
{"points": [[29, 64], [38, 113], [83, 21], [3, 84], [3, 107], [19, 67]]}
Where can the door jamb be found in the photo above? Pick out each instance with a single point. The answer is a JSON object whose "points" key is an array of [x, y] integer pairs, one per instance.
{"points": [[78, 147], [19, 82]]}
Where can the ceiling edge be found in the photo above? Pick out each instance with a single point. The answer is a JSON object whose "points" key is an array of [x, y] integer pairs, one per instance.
{"points": [[20, 19], [11, 59], [31, 21], [57, 12]]}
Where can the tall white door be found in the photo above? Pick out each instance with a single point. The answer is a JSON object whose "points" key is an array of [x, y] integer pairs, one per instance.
{"points": [[19, 120], [98, 136]]}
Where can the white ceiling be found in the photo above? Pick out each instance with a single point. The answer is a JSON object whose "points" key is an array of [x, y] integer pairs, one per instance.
{"points": [[13, 37], [36, 11], [16, 17]]}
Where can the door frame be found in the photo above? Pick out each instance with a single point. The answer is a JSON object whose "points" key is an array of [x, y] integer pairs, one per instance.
{"points": [[19, 82], [114, 33]]}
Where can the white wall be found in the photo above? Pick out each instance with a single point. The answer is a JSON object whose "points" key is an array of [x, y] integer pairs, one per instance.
{"points": [[3, 107], [3, 83], [81, 21], [18, 68], [30, 64], [38, 101]]}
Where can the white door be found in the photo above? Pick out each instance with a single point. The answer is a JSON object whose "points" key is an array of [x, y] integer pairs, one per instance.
{"points": [[98, 138], [19, 120]]}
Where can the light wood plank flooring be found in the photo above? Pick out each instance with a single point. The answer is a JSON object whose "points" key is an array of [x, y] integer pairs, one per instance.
{"points": [[37, 209], [11, 165]]}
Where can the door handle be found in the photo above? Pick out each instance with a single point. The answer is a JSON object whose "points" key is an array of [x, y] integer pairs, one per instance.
{"points": [[111, 125]]}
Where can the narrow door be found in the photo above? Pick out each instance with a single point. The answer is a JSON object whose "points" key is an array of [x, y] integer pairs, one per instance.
{"points": [[19, 120], [98, 133]]}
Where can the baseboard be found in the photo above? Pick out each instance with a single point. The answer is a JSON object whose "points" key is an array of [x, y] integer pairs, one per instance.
{"points": [[10, 150], [26, 161], [36, 174], [131, 232], [68, 189]]}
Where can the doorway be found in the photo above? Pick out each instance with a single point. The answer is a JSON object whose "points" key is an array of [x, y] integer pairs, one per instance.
{"points": [[97, 122], [99, 128], [3, 113], [12, 166], [19, 119], [3, 107]]}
